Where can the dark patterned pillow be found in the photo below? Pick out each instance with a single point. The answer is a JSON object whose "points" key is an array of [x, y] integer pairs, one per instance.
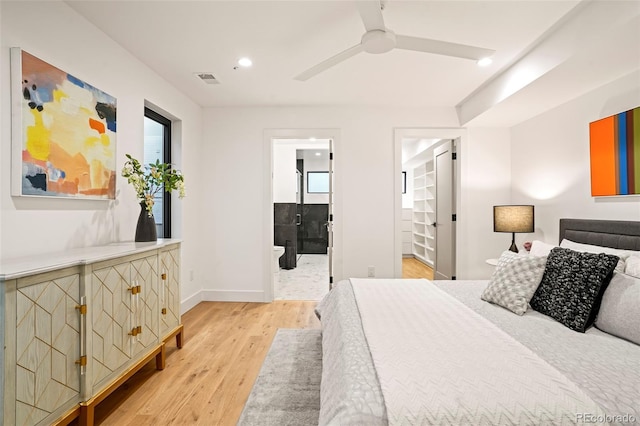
{"points": [[572, 286]]}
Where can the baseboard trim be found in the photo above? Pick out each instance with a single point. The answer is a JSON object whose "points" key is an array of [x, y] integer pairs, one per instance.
{"points": [[232, 296], [190, 302]]}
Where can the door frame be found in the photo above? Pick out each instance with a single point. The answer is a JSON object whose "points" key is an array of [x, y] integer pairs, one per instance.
{"points": [[268, 136], [400, 133]]}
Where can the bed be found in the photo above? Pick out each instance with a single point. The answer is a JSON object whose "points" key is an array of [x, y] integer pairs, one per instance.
{"points": [[405, 352]]}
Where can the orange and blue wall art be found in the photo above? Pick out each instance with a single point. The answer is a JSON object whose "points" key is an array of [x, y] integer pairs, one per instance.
{"points": [[65, 135], [615, 154]]}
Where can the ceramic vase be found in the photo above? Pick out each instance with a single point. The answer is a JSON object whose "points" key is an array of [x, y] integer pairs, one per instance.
{"points": [[146, 229]]}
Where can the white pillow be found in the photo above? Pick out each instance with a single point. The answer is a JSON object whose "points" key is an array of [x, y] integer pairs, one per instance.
{"points": [[538, 248], [588, 248], [633, 266], [619, 312], [514, 281]]}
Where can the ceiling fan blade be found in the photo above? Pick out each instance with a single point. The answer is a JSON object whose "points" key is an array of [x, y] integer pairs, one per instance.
{"points": [[371, 14], [442, 47], [325, 65]]}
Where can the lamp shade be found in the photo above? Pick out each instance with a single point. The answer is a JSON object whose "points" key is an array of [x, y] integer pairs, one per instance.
{"points": [[513, 219]]}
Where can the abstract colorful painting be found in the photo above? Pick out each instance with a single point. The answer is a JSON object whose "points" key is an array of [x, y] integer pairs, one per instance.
{"points": [[64, 133], [615, 154]]}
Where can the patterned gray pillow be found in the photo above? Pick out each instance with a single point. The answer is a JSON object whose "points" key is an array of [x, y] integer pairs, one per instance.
{"points": [[572, 286], [514, 281]]}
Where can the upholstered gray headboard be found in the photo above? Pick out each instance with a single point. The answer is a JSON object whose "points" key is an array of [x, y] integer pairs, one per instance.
{"points": [[618, 234]]}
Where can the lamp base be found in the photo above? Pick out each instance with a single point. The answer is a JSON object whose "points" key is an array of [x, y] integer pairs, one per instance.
{"points": [[513, 247]]}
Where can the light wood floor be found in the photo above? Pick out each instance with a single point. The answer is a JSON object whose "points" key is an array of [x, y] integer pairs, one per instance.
{"points": [[208, 381], [413, 268]]}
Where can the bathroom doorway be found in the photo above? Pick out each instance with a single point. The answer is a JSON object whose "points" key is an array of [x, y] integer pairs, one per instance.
{"points": [[302, 182]]}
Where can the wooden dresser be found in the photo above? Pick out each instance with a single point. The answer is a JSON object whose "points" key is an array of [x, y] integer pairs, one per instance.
{"points": [[80, 323]]}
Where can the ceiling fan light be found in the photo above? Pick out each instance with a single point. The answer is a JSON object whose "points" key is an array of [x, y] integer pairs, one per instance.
{"points": [[483, 62], [378, 41]]}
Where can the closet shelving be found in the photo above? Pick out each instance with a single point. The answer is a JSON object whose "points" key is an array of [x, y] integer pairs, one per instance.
{"points": [[423, 239]]}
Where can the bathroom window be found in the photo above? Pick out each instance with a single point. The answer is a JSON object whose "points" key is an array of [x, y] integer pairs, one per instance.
{"points": [[157, 146], [318, 182]]}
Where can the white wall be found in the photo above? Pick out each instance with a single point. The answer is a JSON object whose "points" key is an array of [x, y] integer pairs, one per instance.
{"points": [[547, 163], [407, 197], [484, 157], [285, 179], [29, 226], [550, 160], [407, 215], [364, 178], [365, 189]]}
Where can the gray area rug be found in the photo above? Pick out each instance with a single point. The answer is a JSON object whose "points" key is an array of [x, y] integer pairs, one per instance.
{"points": [[287, 390]]}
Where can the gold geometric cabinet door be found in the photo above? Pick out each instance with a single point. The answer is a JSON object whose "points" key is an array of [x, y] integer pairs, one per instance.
{"points": [[144, 273], [170, 293], [47, 347], [111, 314]]}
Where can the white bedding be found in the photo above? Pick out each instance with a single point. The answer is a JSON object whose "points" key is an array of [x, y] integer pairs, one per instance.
{"points": [[438, 362], [457, 367], [606, 367]]}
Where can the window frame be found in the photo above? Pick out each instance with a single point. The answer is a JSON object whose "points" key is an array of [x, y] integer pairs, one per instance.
{"points": [[166, 158], [317, 172]]}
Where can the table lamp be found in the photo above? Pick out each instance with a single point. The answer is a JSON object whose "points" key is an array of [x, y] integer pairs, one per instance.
{"points": [[514, 218]]}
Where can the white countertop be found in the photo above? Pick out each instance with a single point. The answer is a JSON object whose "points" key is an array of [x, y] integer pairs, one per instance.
{"points": [[29, 265]]}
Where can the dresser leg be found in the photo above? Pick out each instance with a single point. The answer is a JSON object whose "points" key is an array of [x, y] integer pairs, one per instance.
{"points": [[179, 337], [87, 415], [160, 358]]}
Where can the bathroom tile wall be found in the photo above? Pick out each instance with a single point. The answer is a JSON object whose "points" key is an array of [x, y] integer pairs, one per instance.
{"points": [[285, 232]]}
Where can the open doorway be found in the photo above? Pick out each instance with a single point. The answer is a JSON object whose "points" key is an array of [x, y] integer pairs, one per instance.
{"points": [[418, 208], [426, 203], [302, 189]]}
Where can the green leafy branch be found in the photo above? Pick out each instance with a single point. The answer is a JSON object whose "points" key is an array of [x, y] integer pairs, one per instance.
{"points": [[150, 179]]}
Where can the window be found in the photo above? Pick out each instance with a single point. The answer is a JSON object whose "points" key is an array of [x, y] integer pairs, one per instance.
{"points": [[157, 146], [318, 182]]}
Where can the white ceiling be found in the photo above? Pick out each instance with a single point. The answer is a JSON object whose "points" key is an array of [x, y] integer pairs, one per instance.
{"points": [[179, 38]]}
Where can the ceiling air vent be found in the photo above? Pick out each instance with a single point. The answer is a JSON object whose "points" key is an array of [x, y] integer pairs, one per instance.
{"points": [[207, 78]]}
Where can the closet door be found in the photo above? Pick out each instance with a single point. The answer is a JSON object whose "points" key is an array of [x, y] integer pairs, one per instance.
{"points": [[445, 231]]}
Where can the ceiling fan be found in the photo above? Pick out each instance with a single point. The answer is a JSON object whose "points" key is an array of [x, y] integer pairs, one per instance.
{"points": [[380, 39]]}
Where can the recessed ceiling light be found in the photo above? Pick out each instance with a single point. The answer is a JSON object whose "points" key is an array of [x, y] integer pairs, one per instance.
{"points": [[484, 62], [318, 154], [245, 62]]}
